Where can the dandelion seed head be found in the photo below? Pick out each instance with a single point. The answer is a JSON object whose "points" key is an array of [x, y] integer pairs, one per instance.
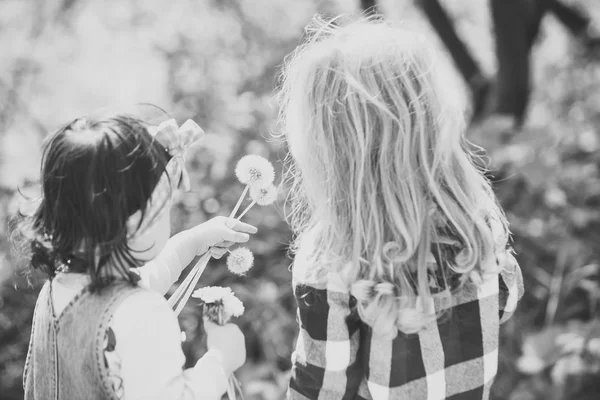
{"points": [[263, 195], [253, 169], [240, 261]]}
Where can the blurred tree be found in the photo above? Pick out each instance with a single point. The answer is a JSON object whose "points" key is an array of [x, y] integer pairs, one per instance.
{"points": [[466, 64], [516, 26]]}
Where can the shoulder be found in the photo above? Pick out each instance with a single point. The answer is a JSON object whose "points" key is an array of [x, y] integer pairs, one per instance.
{"points": [[143, 309], [320, 293], [305, 273], [143, 297], [143, 301], [318, 274]]}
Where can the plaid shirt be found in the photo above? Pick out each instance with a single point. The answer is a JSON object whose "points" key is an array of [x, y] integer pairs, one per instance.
{"points": [[337, 356]]}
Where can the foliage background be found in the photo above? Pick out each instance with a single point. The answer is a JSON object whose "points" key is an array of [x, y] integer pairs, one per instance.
{"points": [[216, 61]]}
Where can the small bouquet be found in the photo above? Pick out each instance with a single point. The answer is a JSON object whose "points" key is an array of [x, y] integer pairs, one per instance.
{"points": [[257, 174], [219, 304]]}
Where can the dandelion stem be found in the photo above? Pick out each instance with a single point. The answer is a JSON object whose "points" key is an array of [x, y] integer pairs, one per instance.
{"points": [[230, 389], [188, 292], [239, 203], [246, 210], [238, 386], [182, 294], [177, 297], [181, 289]]}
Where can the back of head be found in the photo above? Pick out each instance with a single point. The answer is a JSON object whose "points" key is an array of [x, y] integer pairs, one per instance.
{"points": [[382, 174], [96, 173]]}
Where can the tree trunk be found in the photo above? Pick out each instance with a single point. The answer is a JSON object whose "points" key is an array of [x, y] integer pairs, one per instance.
{"points": [[469, 69], [571, 17], [442, 24], [516, 26]]}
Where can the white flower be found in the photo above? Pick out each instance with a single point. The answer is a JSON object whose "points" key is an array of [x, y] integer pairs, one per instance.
{"points": [[240, 261], [220, 304], [263, 195], [232, 306], [253, 169], [212, 294]]}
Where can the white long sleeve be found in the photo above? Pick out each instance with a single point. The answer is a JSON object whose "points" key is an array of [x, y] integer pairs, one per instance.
{"points": [[148, 344], [163, 271], [148, 338]]}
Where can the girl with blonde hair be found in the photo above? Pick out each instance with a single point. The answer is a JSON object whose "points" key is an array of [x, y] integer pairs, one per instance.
{"points": [[402, 272]]}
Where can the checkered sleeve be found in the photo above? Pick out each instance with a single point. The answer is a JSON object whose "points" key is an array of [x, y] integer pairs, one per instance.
{"points": [[511, 287], [325, 364]]}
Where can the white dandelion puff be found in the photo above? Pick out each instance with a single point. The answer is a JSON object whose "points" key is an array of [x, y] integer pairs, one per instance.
{"points": [[263, 195], [240, 261], [253, 169]]}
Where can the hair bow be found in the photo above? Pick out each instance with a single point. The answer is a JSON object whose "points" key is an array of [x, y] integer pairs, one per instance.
{"points": [[176, 140]]}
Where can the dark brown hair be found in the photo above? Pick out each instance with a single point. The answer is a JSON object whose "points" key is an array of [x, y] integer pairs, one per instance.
{"points": [[95, 174]]}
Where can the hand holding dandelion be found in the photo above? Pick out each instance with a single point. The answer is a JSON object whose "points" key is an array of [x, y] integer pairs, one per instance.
{"points": [[219, 305], [258, 174]]}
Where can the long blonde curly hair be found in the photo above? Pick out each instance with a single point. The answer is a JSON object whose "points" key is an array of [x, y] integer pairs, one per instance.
{"points": [[381, 173]]}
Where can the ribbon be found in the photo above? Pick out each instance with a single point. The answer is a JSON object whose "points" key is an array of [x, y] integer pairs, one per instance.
{"points": [[176, 141]]}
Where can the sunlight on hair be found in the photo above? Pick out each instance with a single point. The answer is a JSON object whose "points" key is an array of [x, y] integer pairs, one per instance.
{"points": [[380, 169]]}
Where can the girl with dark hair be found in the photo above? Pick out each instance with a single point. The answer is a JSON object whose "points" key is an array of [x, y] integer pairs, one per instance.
{"points": [[101, 236]]}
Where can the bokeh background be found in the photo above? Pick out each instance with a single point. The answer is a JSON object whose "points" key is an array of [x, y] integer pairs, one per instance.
{"points": [[216, 61]]}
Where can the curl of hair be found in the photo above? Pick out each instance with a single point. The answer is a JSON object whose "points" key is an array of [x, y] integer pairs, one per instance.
{"points": [[380, 306]]}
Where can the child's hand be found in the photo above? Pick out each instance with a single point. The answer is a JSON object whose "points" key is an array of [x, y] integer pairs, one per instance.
{"points": [[229, 341], [219, 233]]}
